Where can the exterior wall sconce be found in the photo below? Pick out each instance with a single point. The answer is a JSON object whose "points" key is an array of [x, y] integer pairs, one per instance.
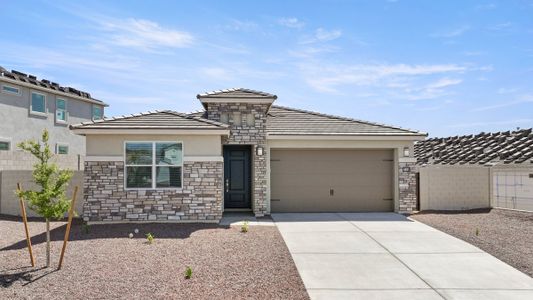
{"points": [[406, 152], [259, 151]]}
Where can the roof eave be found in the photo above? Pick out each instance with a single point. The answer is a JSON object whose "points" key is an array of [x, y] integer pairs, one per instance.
{"points": [[51, 91], [163, 131]]}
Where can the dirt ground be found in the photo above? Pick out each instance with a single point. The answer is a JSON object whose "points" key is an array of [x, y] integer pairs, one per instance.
{"points": [[102, 262], [506, 234]]}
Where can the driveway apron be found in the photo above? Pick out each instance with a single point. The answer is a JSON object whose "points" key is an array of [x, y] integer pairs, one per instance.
{"points": [[389, 256]]}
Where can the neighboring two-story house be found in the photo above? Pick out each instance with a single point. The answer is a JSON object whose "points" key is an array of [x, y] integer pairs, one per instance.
{"points": [[29, 105]]}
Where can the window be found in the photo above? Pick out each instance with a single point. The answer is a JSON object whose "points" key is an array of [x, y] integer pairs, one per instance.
{"points": [[38, 103], [61, 110], [10, 90], [224, 118], [250, 120], [62, 149], [153, 165], [4, 146], [97, 112]]}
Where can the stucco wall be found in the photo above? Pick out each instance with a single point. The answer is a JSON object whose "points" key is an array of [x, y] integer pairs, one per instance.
{"points": [[454, 187], [113, 145], [19, 125], [9, 203]]}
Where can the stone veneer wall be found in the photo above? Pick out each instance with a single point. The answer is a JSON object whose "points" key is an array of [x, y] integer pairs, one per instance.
{"points": [[244, 134], [407, 185], [200, 199]]}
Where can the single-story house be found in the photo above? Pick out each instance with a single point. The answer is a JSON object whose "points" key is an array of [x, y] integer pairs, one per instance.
{"points": [[243, 153]]}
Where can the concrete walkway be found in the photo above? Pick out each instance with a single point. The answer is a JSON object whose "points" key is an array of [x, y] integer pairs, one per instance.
{"points": [[388, 256]]}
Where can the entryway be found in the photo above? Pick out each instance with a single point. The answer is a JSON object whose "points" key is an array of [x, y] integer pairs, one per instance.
{"points": [[237, 177]]}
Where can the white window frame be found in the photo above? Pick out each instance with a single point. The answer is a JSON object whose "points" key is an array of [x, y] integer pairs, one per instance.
{"points": [[101, 110], [7, 140], [64, 145], [19, 93], [38, 113], [154, 167], [66, 111]]}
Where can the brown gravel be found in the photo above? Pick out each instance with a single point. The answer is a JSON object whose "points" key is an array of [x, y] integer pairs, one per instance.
{"points": [[105, 263], [506, 234]]}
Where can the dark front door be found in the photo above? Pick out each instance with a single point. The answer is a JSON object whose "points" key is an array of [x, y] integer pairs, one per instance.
{"points": [[237, 179]]}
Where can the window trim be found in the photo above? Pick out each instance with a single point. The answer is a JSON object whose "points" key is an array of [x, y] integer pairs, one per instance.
{"points": [[66, 111], [38, 113], [19, 93], [10, 144], [101, 112], [153, 166], [62, 144]]}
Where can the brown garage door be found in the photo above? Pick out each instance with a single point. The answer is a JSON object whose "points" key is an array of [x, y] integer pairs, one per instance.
{"points": [[331, 180]]}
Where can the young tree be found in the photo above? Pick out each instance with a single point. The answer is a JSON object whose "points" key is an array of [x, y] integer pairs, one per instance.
{"points": [[50, 201]]}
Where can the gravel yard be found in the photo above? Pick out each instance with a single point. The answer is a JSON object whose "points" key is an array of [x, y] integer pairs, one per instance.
{"points": [[104, 263], [506, 234]]}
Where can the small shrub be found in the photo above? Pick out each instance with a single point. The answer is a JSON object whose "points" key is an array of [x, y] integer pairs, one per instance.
{"points": [[150, 238], [188, 273], [130, 235], [85, 228], [477, 231], [244, 227]]}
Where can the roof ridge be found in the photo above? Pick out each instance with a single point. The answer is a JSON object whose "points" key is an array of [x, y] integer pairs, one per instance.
{"points": [[229, 90], [346, 118]]}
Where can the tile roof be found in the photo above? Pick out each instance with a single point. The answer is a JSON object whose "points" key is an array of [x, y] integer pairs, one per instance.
{"points": [[43, 83], [165, 119], [500, 147], [237, 93], [291, 121]]}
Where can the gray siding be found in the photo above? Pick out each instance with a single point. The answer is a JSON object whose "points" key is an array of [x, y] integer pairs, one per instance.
{"points": [[19, 125]]}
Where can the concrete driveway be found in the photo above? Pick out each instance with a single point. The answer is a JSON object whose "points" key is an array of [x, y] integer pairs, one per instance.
{"points": [[388, 256]]}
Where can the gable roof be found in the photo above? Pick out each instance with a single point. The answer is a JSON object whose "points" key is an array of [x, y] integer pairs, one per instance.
{"points": [[241, 93], [504, 147], [290, 121], [164, 119], [31, 81]]}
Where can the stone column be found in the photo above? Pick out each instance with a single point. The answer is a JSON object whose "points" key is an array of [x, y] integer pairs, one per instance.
{"points": [[407, 184]]}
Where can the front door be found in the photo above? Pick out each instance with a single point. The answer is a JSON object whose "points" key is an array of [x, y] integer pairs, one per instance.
{"points": [[237, 178]]}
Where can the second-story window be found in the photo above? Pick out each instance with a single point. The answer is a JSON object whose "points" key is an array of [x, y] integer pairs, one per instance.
{"points": [[61, 110], [97, 112], [38, 103], [10, 90]]}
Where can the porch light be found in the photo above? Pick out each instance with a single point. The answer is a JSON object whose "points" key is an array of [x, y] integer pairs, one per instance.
{"points": [[406, 152], [259, 151]]}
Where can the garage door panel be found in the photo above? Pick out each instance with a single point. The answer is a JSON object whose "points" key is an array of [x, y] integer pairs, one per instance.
{"points": [[331, 180]]}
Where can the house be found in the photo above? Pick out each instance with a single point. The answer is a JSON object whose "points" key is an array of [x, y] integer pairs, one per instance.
{"points": [[28, 105], [476, 171], [243, 153]]}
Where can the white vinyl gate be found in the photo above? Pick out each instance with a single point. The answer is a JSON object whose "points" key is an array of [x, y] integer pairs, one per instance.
{"points": [[512, 187]]}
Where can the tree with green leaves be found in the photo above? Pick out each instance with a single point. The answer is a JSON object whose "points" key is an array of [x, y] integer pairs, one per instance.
{"points": [[50, 200]]}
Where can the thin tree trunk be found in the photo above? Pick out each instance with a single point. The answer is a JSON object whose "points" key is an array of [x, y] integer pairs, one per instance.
{"points": [[47, 243]]}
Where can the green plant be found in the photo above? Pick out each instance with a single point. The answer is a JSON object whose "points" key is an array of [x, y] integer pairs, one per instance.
{"points": [[150, 238], [188, 273], [49, 201], [477, 231], [85, 228], [244, 227]]}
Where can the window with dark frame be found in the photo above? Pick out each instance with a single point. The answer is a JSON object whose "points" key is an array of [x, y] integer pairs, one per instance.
{"points": [[153, 165]]}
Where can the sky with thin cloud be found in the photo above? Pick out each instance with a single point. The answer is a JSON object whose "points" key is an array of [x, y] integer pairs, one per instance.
{"points": [[442, 67]]}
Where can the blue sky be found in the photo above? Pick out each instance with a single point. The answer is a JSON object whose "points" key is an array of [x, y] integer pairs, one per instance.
{"points": [[443, 67]]}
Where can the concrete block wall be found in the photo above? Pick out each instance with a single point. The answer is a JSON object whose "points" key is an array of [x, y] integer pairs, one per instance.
{"points": [[9, 202], [20, 160], [454, 187]]}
